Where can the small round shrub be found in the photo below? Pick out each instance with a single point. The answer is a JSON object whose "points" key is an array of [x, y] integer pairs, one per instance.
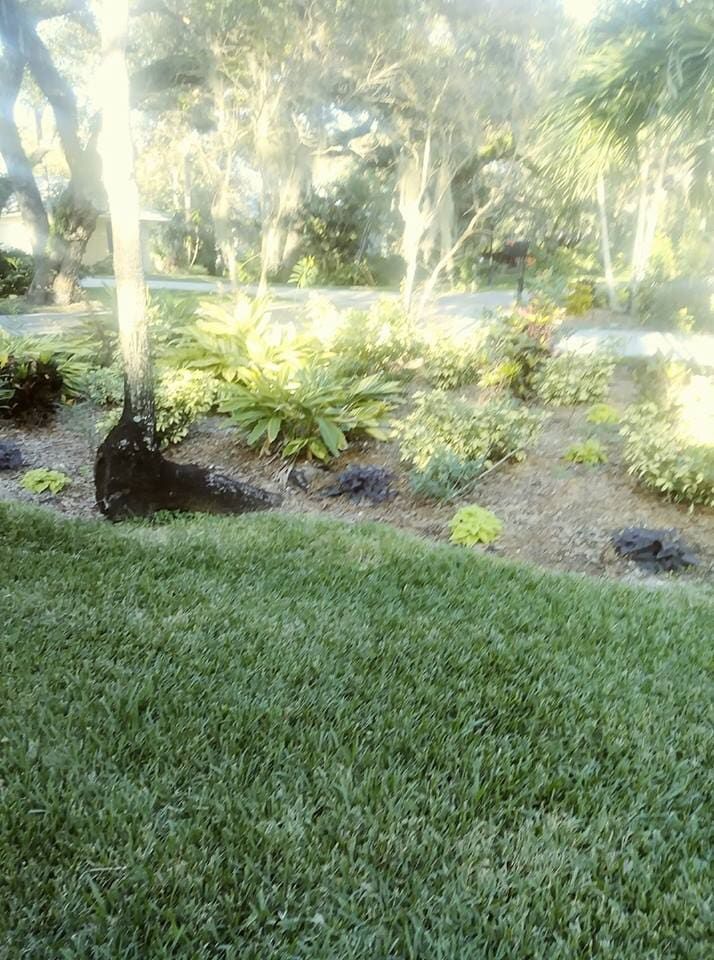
{"points": [[451, 363], [472, 525], [590, 452], [570, 379], [664, 459], [478, 434]]}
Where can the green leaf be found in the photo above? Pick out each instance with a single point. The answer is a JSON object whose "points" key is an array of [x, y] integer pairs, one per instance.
{"points": [[274, 425], [332, 435]]}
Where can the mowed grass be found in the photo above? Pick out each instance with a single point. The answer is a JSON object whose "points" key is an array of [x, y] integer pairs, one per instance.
{"points": [[267, 738]]}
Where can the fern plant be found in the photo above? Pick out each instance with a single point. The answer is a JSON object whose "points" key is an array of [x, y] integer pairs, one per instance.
{"points": [[311, 411]]}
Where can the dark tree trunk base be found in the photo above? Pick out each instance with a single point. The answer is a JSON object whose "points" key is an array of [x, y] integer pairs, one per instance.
{"points": [[133, 480]]}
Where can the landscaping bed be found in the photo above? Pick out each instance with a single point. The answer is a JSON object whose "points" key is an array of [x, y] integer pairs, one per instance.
{"points": [[562, 452], [555, 514]]}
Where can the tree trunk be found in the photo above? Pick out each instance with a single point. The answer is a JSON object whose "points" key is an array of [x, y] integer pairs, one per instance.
{"points": [[605, 244], [21, 177], [71, 228], [131, 476], [636, 273], [74, 220]]}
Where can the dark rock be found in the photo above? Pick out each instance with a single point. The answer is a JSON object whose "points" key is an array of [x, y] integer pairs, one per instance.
{"points": [[656, 551], [10, 456], [363, 483]]}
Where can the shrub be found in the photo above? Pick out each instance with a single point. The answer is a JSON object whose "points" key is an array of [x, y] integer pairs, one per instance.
{"points": [[472, 525], [569, 379], [452, 363], [476, 435], [657, 379], [602, 414], [664, 459], [580, 298], [445, 475], [16, 272], [590, 452], [227, 343], [104, 386], [31, 381], [311, 411], [382, 339], [182, 396], [41, 480], [516, 346]]}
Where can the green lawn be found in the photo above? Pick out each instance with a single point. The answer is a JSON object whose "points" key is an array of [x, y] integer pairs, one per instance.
{"points": [[277, 738]]}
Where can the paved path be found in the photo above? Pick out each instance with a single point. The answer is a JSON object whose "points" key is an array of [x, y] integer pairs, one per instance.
{"points": [[458, 310]]}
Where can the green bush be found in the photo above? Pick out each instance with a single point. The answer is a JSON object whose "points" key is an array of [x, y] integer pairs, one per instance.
{"points": [[382, 339], [104, 386], [516, 346], [569, 379], [602, 414], [312, 411], [16, 272], [445, 475], [472, 525], [663, 459], [34, 376], [474, 437], [580, 298], [590, 452], [227, 343], [451, 363]]}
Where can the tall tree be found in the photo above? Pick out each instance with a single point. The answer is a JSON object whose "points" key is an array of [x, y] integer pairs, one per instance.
{"points": [[131, 476]]}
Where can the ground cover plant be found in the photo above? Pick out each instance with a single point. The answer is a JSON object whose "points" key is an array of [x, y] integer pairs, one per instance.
{"points": [[450, 441], [300, 739]]}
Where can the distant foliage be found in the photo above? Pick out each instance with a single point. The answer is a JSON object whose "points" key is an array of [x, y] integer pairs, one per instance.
{"points": [[311, 412], [42, 480], [472, 525], [16, 272], [590, 452], [570, 379], [580, 298], [305, 273]]}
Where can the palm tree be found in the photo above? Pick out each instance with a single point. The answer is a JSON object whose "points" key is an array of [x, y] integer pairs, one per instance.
{"points": [[646, 90]]}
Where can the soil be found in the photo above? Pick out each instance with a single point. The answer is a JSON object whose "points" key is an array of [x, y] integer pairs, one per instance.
{"points": [[556, 515]]}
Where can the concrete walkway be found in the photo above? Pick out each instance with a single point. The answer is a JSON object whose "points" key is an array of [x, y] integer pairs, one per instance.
{"points": [[459, 311]]}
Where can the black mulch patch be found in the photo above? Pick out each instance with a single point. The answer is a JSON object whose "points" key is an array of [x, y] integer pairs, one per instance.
{"points": [[363, 483], [656, 551], [10, 456]]}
